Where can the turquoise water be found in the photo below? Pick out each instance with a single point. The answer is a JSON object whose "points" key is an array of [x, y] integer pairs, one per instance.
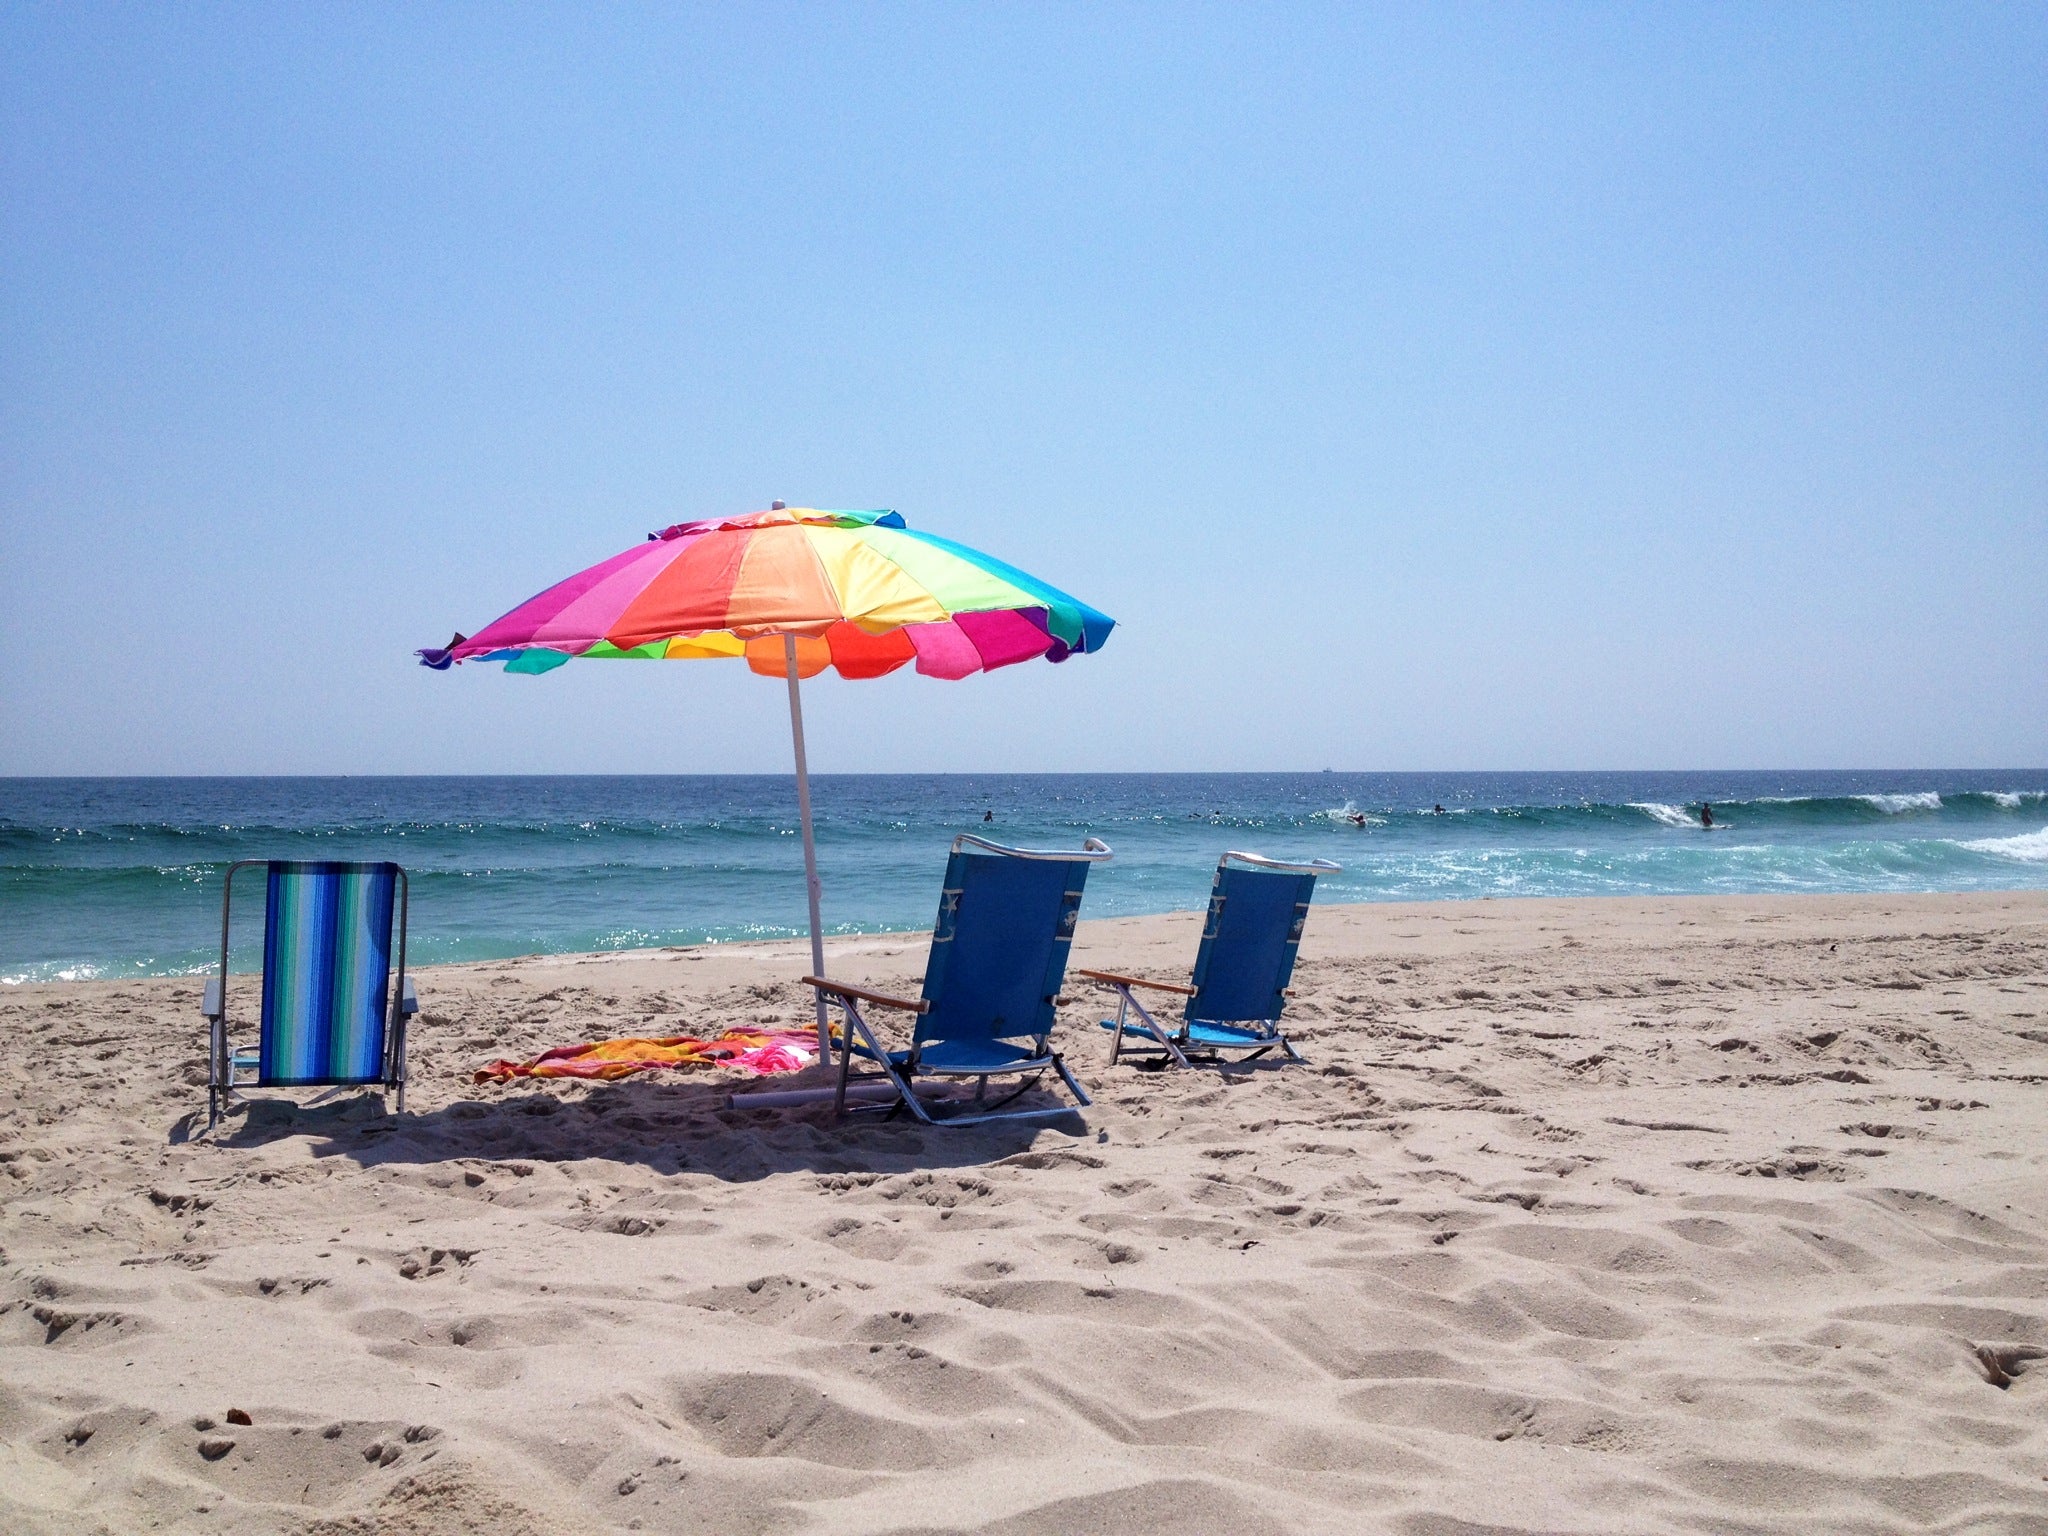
{"points": [[121, 877]]}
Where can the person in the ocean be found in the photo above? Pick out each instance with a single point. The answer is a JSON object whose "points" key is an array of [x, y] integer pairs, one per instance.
{"points": [[1706, 814], [1356, 818], [1439, 811], [988, 815]]}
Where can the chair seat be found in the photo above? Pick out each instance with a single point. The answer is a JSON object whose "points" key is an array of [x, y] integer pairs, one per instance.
{"points": [[974, 1056], [1227, 1035], [963, 1056]]}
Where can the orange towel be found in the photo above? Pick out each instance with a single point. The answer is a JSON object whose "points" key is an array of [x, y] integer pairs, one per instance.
{"points": [[760, 1051]]}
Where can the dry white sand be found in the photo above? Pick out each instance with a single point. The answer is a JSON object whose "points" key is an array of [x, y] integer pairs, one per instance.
{"points": [[1676, 1215]]}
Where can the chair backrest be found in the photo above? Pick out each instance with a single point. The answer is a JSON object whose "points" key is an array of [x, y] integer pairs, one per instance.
{"points": [[1249, 942], [326, 972], [999, 948]]}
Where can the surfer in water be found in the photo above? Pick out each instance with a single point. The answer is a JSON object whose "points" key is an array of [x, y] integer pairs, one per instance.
{"points": [[1356, 818], [1706, 816]]}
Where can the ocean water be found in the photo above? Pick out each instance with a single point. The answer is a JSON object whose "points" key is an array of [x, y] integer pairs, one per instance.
{"points": [[122, 877]]}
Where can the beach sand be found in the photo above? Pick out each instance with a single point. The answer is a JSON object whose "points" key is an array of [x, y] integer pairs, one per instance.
{"points": [[1622, 1216]]}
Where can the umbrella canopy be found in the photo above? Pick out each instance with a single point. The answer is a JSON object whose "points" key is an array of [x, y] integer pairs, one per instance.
{"points": [[859, 591], [793, 590]]}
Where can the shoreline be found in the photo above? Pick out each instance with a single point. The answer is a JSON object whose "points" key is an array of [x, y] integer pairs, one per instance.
{"points": [[1093, 933]]}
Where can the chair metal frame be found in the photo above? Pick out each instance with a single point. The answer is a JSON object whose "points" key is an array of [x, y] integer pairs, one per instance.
{"points": [[859, 1037], [401, 1002], [1175, 1045]]}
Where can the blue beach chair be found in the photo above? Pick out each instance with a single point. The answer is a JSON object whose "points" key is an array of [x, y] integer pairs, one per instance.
{"points": [[1257, 907], [334, 1015], [998, 955]]}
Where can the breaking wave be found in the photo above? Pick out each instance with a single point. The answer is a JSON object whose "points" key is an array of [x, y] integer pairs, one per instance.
{"points": [[1665, 815], [1904, 805], [2027, 847]]}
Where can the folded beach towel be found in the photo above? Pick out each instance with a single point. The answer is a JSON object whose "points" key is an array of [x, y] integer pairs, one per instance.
{"points": [[760, 1051]]}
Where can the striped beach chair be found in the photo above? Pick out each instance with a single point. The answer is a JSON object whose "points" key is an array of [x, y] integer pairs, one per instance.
{"points": [[1257, 907], [333, 1013], [991, 986]]}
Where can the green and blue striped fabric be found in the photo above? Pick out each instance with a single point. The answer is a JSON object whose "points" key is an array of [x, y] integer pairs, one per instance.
{"points": [[326, 972]]}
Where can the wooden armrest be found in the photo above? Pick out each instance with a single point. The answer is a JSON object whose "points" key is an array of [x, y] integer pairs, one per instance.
{"points": [[880, 999], [1111, 979]]}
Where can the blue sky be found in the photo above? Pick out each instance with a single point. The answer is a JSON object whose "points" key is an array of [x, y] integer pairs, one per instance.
{"points": [[1420, 387]]}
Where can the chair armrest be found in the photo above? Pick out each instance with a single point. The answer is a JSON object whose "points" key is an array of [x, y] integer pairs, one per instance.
{"points": [[1112, 979], [209, 1006], [408, 998], [880, 999]]}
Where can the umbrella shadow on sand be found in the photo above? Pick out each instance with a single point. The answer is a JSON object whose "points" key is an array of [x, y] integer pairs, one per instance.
{"points": [[667, 1127]]}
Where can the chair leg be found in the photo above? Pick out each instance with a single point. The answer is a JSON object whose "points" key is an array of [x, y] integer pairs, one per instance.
{"points": [[845, 1061], [1080, 1094], [398, 1071], [1173, 1052], [216, 1054], [857, 1025]]}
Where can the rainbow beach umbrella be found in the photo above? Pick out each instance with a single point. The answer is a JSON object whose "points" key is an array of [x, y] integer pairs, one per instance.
{"points": [[793, 591]]}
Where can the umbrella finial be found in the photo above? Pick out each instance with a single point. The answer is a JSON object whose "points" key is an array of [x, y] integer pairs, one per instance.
{"points": [[776, 506]]}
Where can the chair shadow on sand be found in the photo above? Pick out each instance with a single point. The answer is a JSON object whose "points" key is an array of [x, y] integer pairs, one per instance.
{"points": [[666, 1126]]}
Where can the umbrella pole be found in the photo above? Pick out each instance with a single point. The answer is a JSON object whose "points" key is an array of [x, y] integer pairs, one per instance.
{"points": [[803, 810]]}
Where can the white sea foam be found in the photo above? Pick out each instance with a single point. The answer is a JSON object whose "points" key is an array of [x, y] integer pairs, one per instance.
{"points": [[1900, 805], [1667, 815], [86, 970], [52, 972], [2013, 799], [2028, 847]]}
